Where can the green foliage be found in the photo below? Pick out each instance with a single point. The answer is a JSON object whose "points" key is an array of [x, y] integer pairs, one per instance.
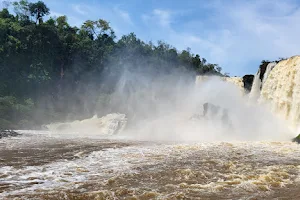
{"points": [[13, 112], [97, 28], [38, 10], [4, 14], [47, 70], [21, 8]]}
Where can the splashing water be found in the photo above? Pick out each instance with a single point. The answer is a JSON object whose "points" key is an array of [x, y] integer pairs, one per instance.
{"points": [[161, 151], [106, 125], [159, 117]]}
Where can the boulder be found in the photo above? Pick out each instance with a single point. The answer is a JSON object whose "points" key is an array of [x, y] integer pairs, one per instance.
{"points": [[8, 133], [209, 107], [297, 139]]}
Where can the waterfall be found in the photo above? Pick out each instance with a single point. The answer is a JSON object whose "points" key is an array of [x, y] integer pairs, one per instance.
{"points": [[255, 90], [259, 80], [281, 90], [270, 66]]}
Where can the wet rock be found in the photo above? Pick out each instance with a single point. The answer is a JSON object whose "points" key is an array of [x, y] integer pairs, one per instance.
{"points": [[8, 133], [213, 112], [263, 68], [248, 81], [212, 108], [297, 139]]}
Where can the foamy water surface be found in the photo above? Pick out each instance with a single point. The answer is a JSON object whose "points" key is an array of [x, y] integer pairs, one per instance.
{"points": [[40, 165]]}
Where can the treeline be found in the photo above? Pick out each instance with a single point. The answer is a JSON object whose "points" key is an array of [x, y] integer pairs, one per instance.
{"points": [[48, 67]]}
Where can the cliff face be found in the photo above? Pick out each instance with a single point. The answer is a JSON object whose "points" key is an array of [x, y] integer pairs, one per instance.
{"points": [[281, 90]]}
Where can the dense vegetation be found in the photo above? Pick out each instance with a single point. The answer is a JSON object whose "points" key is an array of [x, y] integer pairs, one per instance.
{"points": [[48, 67]]}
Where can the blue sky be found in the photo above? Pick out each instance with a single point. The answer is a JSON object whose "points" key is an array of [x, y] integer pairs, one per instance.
{"points": [[236, 34]]}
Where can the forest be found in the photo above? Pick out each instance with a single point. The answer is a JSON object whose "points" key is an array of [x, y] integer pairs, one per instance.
{"points": [[48, 67]]}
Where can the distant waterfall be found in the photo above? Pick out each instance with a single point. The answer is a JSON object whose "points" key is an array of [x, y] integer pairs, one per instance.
{"points": [[255, 90], [259, 80]]}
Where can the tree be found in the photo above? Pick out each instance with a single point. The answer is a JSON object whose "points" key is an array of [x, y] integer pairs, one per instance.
{"points": [[38, 10], [218, 68], [5, 14], [21, 8], [196, 61], [62, 22], [97, 28]]}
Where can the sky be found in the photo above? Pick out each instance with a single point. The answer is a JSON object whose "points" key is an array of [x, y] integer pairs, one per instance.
{"points": [[236, 34]]}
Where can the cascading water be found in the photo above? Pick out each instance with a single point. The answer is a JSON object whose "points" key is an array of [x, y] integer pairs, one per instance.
{"points": [[43, 166], [281, 90], [277, 85], [259, 81], [269, 68], [255, 90]]}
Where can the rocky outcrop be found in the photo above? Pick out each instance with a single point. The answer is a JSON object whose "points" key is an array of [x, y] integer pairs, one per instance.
{"points": [[214, 113], [209, 108], [8, 133], [262, 69], [248, 81]]}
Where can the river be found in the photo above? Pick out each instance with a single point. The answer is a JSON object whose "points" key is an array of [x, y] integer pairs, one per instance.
{"points": [[40, 165]]}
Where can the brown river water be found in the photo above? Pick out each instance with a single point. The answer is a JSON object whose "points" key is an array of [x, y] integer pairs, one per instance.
{"points": [[38, 165]]}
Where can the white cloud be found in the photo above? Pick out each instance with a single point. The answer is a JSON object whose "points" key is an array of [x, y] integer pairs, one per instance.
{"points": [[81, 9], [236, 33], [159, 17], [55, 14], [124, 15], [261, 30], [163, 17]]}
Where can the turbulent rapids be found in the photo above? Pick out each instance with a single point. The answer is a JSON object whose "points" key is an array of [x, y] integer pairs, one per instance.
{"points": [[38, 166], [209, 140]]}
